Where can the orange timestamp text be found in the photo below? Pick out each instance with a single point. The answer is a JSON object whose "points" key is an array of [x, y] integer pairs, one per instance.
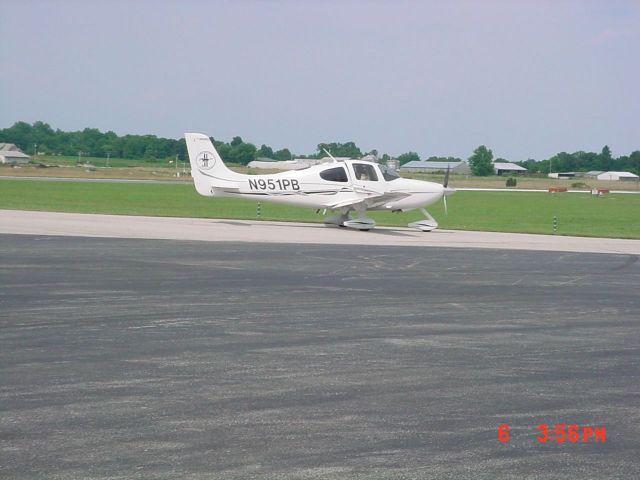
{"points": [[560, 433]]}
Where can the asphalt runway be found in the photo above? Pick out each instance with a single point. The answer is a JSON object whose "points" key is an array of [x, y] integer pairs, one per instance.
{"points": [[125, 358]]}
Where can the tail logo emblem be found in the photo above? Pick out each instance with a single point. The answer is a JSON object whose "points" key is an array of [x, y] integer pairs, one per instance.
{"points": [[206, 160]]}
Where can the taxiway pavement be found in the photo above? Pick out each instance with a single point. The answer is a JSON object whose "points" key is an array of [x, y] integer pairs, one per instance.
{"points": [[120, 226], [125, 358]]}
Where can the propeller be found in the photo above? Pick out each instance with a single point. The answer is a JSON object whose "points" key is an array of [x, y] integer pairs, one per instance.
{"points": [[447, 190]]}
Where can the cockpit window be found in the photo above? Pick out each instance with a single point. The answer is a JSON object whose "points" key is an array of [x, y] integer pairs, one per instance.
{"points": [[389, 174], [336, 174], [365, 172]]}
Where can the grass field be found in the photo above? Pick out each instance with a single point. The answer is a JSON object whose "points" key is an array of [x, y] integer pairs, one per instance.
{"points": [[577, 213]]}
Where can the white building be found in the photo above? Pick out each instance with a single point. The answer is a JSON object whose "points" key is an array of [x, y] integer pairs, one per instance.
{"points": [[507, 167], [617, 176], [10, 154], [562, 175]]}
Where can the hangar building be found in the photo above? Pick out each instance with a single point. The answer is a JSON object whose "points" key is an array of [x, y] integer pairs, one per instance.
{"points": [[507, 167], [617, 176], [10, 154]]}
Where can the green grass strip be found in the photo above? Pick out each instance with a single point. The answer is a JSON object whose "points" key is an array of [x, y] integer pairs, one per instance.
{"points": [[616, 216]]}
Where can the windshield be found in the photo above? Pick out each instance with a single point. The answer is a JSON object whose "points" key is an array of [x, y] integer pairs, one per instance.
{"points": [[389, 174]]}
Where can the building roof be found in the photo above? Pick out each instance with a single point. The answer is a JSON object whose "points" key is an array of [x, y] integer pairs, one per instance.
{"points": [[432, 165], [9, 147], [619, 174], [508, 166], [13, 154]]}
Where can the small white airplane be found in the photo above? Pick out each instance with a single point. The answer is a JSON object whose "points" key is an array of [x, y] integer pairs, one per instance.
{"points": [[342, 186]]}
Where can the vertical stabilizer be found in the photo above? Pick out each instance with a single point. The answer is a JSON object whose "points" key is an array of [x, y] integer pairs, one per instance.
{"points": [[207, 168]]}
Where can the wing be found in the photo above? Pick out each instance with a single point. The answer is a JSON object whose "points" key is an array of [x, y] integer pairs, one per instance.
{"points": [[369, 202]]}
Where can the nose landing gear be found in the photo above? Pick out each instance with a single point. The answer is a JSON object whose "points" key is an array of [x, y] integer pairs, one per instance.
{"points": [[426, 225]]}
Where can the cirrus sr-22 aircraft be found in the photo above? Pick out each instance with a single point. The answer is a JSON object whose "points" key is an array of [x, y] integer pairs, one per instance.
{"points": [[343, 186]]}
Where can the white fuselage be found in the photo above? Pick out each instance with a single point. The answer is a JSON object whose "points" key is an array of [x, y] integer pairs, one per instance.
{"points": [[307, 188]]}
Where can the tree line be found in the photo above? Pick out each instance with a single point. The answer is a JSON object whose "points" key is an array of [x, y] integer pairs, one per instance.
{"points": [[40, 137], [481, 161]]}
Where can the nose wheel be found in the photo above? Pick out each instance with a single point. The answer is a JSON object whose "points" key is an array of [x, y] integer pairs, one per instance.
{"points": [[426, 225]]}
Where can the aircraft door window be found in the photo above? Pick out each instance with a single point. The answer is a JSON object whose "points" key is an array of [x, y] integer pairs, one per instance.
{"points": [[336, 174], [365, 172]]}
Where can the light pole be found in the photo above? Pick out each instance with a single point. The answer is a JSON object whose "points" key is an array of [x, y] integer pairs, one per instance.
{"points": [[177, 173], [108, 155]]}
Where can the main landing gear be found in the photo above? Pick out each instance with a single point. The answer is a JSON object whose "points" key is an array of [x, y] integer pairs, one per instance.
{"points": [[343, 219]]}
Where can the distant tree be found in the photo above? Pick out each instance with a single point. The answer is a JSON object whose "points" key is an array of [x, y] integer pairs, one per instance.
{"points": [[283, 154], [544, 166], [408, 157], [223, 149], [336, 149], [150, 152], [605, 158], [581, 161], [19, 134], [481, 161], [634, 161], [242, 153], [43, 135], [265, 152], [530, 164]]}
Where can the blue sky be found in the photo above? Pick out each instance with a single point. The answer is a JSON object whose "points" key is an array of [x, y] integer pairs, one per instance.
{"points": [[526, 78]]}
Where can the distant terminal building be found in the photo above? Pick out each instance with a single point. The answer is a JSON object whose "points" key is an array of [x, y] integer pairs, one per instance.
{"points": [[10, 154], [593, 173], [418, 166], [501, 168], [624, 176]]}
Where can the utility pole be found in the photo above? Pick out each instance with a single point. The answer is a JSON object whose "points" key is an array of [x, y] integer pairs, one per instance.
{"points": [[108, 155]]}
